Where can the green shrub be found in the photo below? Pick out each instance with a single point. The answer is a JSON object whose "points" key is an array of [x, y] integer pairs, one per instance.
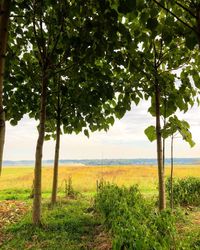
{"points": [[185, 191], [133, 221], [110, 199]]}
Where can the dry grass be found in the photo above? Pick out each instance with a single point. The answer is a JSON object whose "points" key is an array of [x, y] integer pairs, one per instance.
{"points": [[84, 177]]}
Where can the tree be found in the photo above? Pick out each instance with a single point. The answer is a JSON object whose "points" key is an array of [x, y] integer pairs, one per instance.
{"points": [[173, 127], [77, 35], [75, 109], [154, 54], [86, 100], [4, 20], [185, 22], [36, 63]]}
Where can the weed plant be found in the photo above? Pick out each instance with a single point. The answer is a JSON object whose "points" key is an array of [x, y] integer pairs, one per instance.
{"points": [[185, 191], [133, 221]]}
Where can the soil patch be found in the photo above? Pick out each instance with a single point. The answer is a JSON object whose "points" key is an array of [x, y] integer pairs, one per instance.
{"points": [[10, 212]]}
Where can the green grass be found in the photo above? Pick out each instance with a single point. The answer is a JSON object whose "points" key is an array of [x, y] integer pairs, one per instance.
{"points": [[69, 225], [189, 228], [15, 194], [23, 194], [72, 224]]}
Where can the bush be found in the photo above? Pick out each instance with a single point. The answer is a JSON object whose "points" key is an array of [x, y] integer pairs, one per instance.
{"points": [[133, 221], [185, 191]]}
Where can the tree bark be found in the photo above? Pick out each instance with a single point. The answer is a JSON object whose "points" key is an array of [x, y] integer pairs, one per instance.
{"points": [[198, 24], [56, 160], [4, 20], [162, 201], [38, 156], [172, 172]]}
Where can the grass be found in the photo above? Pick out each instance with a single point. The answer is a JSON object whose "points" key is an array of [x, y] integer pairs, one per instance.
{"points": [[72, 224], [84, 178], [189, 228]]}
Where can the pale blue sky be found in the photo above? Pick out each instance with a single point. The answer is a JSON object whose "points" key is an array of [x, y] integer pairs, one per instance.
{"points": [[126, 139]]}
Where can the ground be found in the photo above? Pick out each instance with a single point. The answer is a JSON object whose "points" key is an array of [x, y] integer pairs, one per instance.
{"points": [[73, 223]]}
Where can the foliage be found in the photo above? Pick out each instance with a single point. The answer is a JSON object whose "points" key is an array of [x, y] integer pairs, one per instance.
{"points": [[172, 126], [185, 191], [87, 54], [155, 53], [175, 125], [151, 133], [133, 221], [183, 19]]}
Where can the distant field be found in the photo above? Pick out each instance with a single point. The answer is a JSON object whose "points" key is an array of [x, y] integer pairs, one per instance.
{"points": [[84, 177]]}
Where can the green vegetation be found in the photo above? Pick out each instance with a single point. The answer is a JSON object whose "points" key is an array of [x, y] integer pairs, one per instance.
{"points": [[70, 225], [90, 61], [118, 216], [134, 222], [76, 66], [185, 191]]}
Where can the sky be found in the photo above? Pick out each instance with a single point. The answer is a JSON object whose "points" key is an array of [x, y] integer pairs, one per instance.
{"points": [[125, 140]]}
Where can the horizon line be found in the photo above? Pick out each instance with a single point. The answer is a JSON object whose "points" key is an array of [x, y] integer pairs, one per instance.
{"points": [[145, 158]]}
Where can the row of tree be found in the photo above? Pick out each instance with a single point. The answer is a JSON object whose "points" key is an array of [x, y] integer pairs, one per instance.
{"points": [[76, 65]]}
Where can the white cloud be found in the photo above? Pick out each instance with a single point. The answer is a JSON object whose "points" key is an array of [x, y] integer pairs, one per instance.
{"points": [[126, 139]]}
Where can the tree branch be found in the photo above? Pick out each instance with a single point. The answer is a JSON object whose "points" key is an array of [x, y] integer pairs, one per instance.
{"points": [[186, 9], [179, 19], [155, 56], [59, 33], [66, 68], [35, 34], [42, 35]]}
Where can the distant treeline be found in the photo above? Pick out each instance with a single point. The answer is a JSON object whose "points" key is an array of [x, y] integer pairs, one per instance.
{"points": [[110, 162]]}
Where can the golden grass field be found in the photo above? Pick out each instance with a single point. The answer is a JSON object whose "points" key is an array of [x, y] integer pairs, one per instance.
{"points": [[84, 177]]}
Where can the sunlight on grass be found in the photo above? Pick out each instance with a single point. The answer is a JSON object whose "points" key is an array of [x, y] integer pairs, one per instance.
{"points": [[84, 177]]}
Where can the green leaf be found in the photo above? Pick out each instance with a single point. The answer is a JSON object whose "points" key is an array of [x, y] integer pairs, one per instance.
{"points": [[47, 137], [191, 40], [136, 100], [86, 133], [111, 120], [126, 6], [13, 122], [196, 79], [152, 23], [150, 132]]}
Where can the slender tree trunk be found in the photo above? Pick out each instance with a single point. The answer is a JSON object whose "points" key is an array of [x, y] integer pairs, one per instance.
{"points": [[172, 172], [56, 160], [165, 114], [198, 24], [163, 158], [38, 154], [162, 201], [4, 20]]}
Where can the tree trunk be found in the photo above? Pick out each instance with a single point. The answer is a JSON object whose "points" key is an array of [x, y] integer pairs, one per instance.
{"points": [[4, 20], [56, 160], [38, 155], [198, 24], [161, 180], [172, 172], [165, 111]]}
